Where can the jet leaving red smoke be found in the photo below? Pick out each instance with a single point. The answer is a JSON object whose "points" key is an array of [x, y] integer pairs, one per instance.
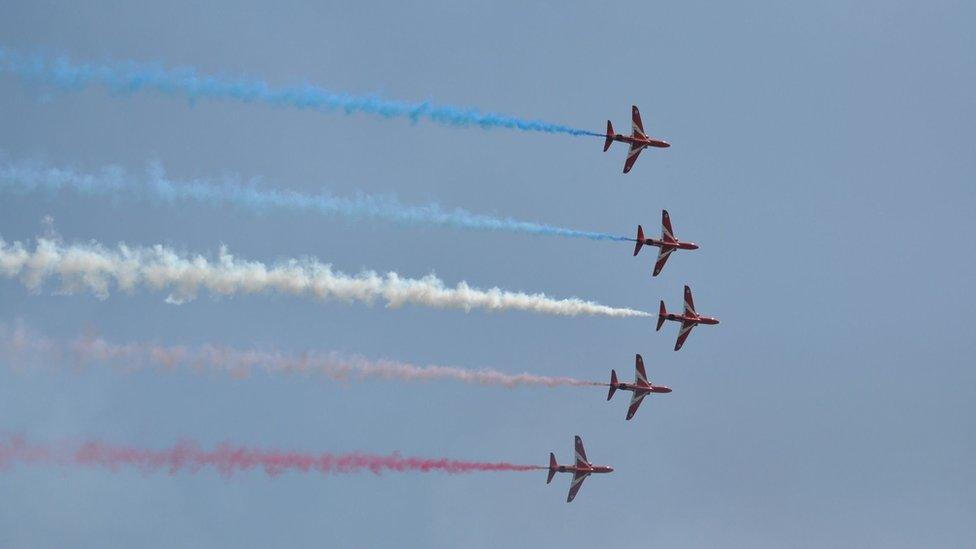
{"points": [[228, 459]]}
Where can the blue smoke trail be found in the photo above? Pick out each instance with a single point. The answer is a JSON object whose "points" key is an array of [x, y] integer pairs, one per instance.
{"points": [[131, 77], [157, 188]]}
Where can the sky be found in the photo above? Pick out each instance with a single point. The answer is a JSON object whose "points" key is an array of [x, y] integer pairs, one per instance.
{"points": [[821, 155]]}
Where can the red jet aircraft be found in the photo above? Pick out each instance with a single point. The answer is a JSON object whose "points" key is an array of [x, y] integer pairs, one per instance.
{"points": [[638, 140], [667, 244], [689, 319], [580, 470], [641, 387]]}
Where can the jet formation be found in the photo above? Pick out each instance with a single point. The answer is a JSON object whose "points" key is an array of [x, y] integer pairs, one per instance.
{"points": [[688, 319]]}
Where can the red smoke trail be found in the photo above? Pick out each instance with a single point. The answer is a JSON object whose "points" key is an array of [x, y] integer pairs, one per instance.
{"points": [[228, 459]]}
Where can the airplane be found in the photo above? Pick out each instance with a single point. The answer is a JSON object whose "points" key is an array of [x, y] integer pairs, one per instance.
{"points": [[667, 244], [689, 319], [638, 140], [641, 387], [582, 469]]}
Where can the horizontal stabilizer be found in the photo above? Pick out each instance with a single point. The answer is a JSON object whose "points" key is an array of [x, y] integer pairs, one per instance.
{"points": [[640, 240]]}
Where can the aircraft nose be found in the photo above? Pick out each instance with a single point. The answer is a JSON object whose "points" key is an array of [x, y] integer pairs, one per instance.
{"points": [[665, 144], [692, 246], [665, 389]]}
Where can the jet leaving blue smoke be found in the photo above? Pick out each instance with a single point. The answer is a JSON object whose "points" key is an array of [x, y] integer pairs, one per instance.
{"points": [[157, 188], [130, 77]]}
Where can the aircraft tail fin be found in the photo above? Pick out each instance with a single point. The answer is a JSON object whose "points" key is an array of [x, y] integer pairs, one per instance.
{"points": [[660, 316], [609, 141], [640, 240], [613, 384], [552, 467]]}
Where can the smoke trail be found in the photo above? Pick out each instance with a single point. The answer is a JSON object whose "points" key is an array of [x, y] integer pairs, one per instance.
{"points": [[19, 347], [156, 187], [131, 77], [95, 268], [228, 459]]}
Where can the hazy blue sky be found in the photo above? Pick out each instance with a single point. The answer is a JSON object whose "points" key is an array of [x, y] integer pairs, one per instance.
{"points": [[822, 156]]}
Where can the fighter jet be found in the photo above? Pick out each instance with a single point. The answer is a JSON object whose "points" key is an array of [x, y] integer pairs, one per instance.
{"points": [[641, 387], [582, 469], [638, 140], [689, 319], [667, 244]]}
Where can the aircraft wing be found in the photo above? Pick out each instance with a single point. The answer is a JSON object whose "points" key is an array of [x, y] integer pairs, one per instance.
{"points": [[640, 375], [638, 126], [667, 233], [683, 334], [689, 302], [632, 155], [662, 257], [574, 488], [580, 452], [635, 402]]}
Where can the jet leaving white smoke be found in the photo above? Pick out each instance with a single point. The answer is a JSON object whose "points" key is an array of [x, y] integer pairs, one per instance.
{"points": [[20, 347], [97, 269]]}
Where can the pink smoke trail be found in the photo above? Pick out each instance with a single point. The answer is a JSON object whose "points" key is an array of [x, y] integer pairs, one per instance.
{"points": [[227, 459], [20, 346]]}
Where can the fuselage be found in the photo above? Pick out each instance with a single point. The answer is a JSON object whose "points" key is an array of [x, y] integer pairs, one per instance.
{"points": [[589, 469], [641, 142], [691, 319], [635, 387], [679, 245]]}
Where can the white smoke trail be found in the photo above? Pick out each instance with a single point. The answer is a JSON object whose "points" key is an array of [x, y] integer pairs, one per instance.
{"points": [[21, 347], [97, 269]]}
